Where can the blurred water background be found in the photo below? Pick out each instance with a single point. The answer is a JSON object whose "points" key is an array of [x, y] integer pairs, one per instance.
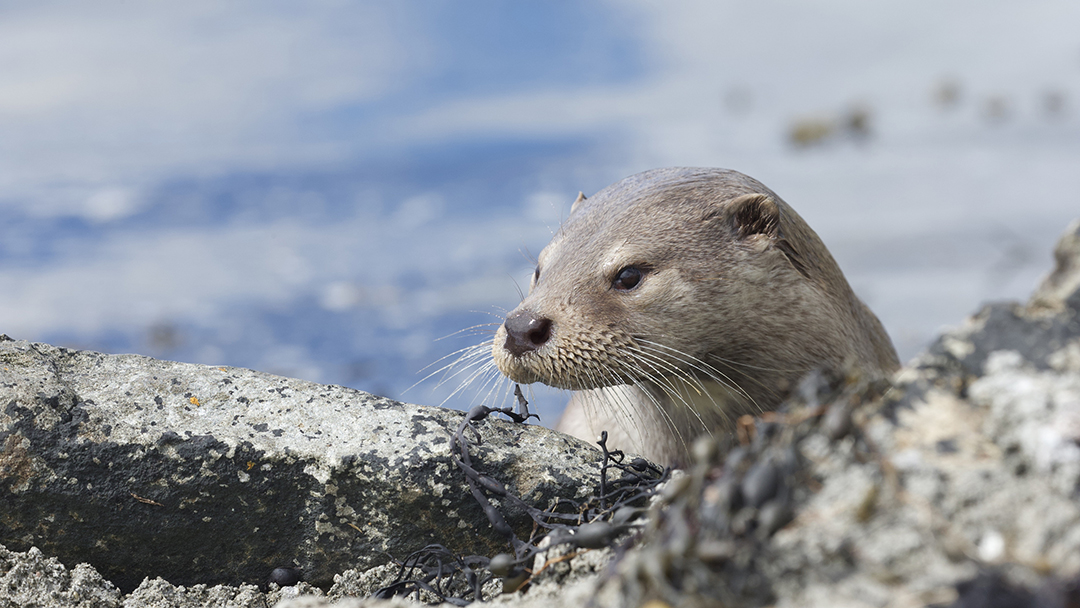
{"points": [[324, 190]]}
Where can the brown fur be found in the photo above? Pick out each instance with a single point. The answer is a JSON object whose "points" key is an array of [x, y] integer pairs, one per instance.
{"points": [[738, 298]]}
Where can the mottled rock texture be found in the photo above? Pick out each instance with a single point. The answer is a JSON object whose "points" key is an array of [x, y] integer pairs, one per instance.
{"points": [[955, 484], [32, 579], [199, 474]]}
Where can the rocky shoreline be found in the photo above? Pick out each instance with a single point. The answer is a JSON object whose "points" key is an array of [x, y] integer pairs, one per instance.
{"points": [[952, 485]]}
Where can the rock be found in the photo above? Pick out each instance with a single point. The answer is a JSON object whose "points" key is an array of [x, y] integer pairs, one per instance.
{"points": [[308, 601], [957, 483], [159, 593], [207, 475], [1061, 289], [31, 579]]}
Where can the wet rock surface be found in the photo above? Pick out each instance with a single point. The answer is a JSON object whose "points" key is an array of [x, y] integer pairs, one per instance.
{"points": [[956, 483], [214, 475]]}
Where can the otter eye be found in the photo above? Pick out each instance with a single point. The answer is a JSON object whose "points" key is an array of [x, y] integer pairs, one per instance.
{"points": [[628, 278], [536, 276]]}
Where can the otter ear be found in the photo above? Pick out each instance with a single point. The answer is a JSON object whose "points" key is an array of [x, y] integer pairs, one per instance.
{"points": [[755, 214], [577, 202]]}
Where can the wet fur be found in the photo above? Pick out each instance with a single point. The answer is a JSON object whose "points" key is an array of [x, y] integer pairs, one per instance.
{"points": [[739, 299]]}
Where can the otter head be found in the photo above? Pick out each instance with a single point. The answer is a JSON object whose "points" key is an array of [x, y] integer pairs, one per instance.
{"points": [[669, 273]]}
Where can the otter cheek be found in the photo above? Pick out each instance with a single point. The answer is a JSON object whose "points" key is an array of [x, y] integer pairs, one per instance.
{"points": [[664, 291]]}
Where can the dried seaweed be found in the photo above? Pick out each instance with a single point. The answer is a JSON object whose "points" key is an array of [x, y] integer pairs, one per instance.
{"points": [[593, 523]]}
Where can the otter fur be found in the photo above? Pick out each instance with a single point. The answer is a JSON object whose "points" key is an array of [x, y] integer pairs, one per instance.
{"points": [[678, 299]]}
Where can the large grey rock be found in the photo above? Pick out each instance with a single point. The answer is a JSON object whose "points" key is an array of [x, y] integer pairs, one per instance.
{"points": [[199, 474]]}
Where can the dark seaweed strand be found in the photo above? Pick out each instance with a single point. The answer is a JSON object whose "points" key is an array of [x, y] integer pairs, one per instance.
{"points": [[434, 569]]}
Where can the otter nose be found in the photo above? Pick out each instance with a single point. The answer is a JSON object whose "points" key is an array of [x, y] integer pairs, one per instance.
{"points": [[526, 331]]}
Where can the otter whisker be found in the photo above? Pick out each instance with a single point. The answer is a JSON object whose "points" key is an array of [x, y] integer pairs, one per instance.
{"points": [[663, 381], [480, 372], [733, 366], [630, 418], [487, 374], [461, 353], [613, 405], [691, 361], [741, 369], [607, 397], [668, 420], [475, 330], [491, 382], [713, 373], [475, 361], [469, 357], [628, 409], [671, 369], [495, 385], [733, 363], [501, 315], [689, 380]]}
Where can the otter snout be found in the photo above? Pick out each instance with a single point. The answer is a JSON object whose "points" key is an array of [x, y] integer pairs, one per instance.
{"points": [[526, 331]]}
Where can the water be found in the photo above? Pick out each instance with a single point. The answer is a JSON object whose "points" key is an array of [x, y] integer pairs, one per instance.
{"points": [[332, 192]]}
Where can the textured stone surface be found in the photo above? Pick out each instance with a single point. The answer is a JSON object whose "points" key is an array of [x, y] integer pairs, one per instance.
{"points": [[212, 475], [958, 487], [31, 579], [1062, 288]]}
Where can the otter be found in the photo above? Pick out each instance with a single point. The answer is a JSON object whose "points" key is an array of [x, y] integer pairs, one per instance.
{"points": [[678, 299]]}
